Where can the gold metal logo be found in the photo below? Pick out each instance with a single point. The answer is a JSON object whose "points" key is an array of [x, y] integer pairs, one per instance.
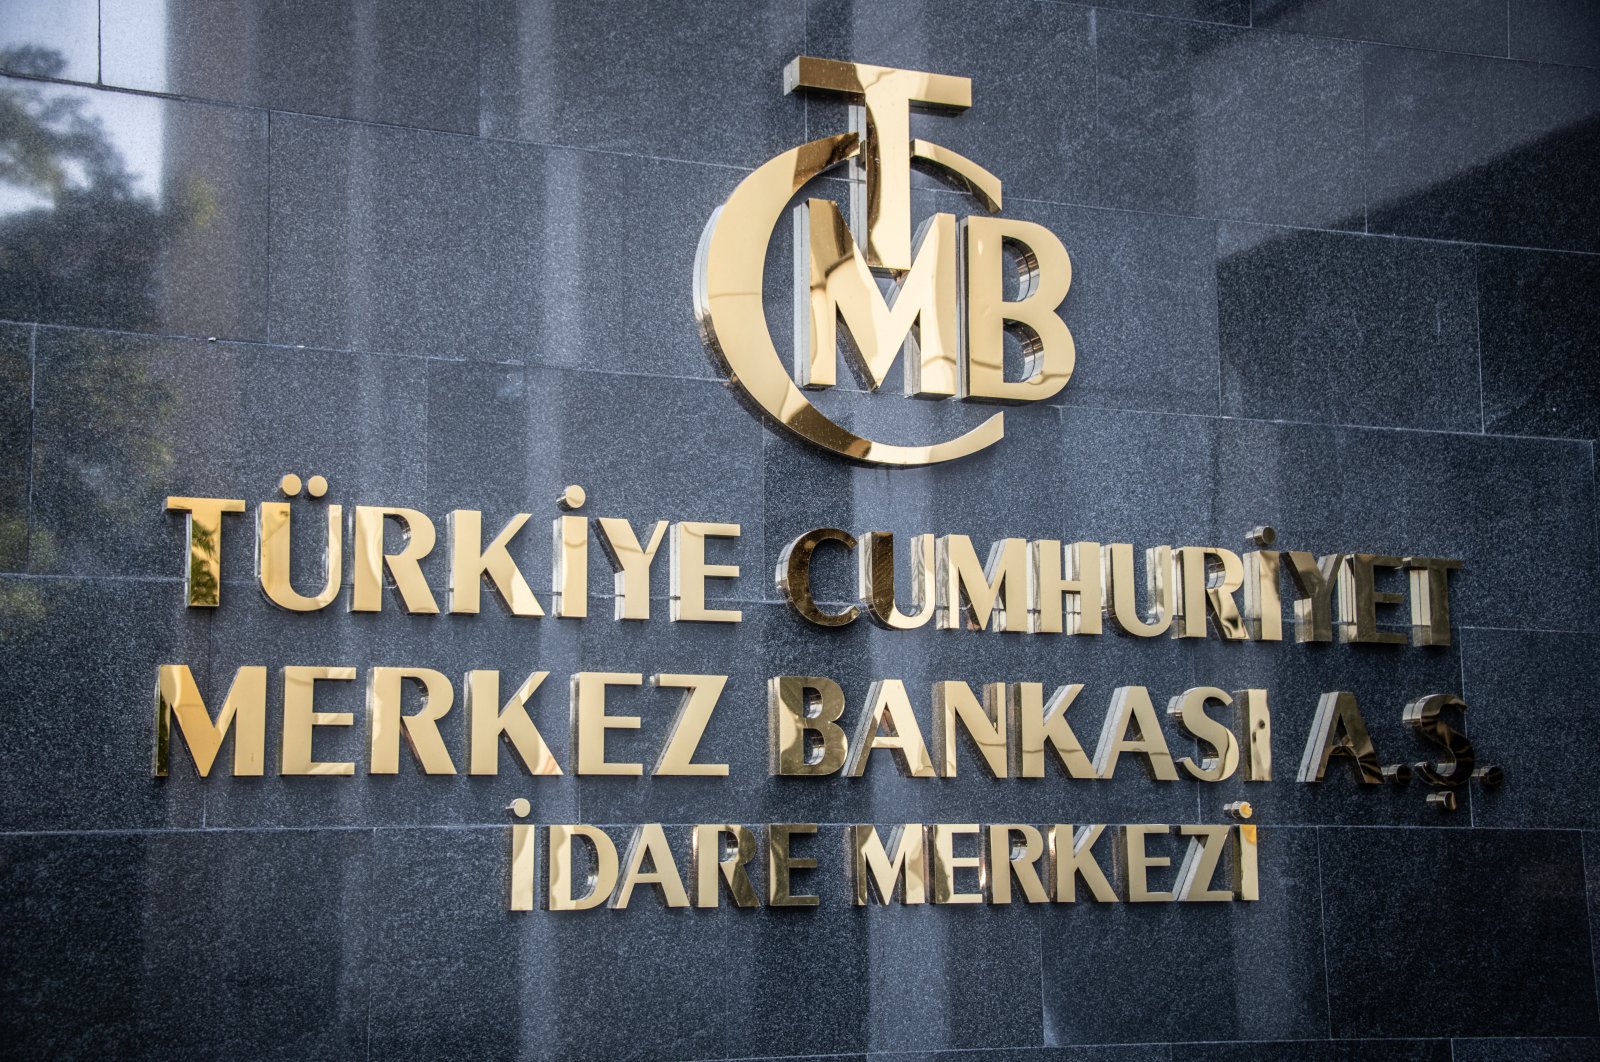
{"points": [[946, 306]]}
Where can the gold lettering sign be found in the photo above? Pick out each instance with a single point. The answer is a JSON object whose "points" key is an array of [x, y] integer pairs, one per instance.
{"points": [[946, 309]]}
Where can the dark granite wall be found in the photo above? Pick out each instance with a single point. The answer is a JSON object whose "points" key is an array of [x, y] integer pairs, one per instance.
{"points": [[1337, 269]]}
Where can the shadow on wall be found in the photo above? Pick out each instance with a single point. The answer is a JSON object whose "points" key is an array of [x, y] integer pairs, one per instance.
{"points": [[77, 231]]}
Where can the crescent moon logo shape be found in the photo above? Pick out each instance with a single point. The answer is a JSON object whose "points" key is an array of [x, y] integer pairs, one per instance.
{"points": [[728, 302]]}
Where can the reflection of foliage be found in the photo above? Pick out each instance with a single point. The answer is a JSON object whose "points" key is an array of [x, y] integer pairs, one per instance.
{"points": [[86, 251], [110, 408], [203, 584], [81, 243], [21, 607]]}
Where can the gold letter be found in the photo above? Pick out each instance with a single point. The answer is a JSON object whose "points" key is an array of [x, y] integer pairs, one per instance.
{"points": [[875, 580], [470, 562], [1189, 709], [794, 576], [1131, 705], [1136, 863], [694, 712], [601, 881], [384, 688], [1200, 864], [246, 704], [1430, 599], [1263, 605], [985, 724], [833, 280], [1122, 601], [1005, 860], [708, 860], [1037, 724], [1246, 874], [272, 558], [569, 566], [630, 564], [300, 718], [789, 711], [946, 863], [1002, 581], [1047, 585], [690, 572], [524, 870], [781, 865], [1204, 588], [486, 722], [1045, 274], [1314, 581], [590, 721], [650, 840], [905, 875], [1339, 730], [367, 594], [202, 577], [887, 697], [1072, 856], [1258, 730], [1359, 600]]}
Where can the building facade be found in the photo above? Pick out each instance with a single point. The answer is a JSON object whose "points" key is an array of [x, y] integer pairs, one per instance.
{"points": [[1335, 270]]}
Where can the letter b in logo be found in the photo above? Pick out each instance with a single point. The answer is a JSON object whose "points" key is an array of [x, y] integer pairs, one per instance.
{"points": [[949, 267]]}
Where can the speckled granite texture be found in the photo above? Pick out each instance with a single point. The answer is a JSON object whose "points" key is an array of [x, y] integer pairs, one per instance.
{"points": [[1336, 269]]}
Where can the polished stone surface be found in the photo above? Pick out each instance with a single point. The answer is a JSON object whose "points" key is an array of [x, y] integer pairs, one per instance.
{"points": [[1032, 121], [1467, 148], [687, 79], [274, 966], [1556, 31], [133, 213], [1332, 273], [121, 422], [16, 442], [1230, 12], [400, 62], [1350, 329], [1539, 318], [51, 38], [1110, 978], [1447, 25], [86, 652], [1499, 906], [403, 240], [1532, 719], [1551, 1049], [1493, 503], [1313, 1051], [1225, 123], [1142, 308], [1383, 679]]}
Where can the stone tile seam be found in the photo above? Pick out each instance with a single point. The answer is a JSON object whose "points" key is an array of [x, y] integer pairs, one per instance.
{"points": [[268, 344], [1322, 942], [1466, 696], [33, 420], [465, 827], [979, 1052], [1589, 908], [1363, 41], [1150, 16], [1477, 336], [555, 145], [942, 190], [602, 596]]}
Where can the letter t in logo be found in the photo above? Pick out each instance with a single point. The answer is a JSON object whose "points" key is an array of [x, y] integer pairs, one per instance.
{"points": [[880, 112]]}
